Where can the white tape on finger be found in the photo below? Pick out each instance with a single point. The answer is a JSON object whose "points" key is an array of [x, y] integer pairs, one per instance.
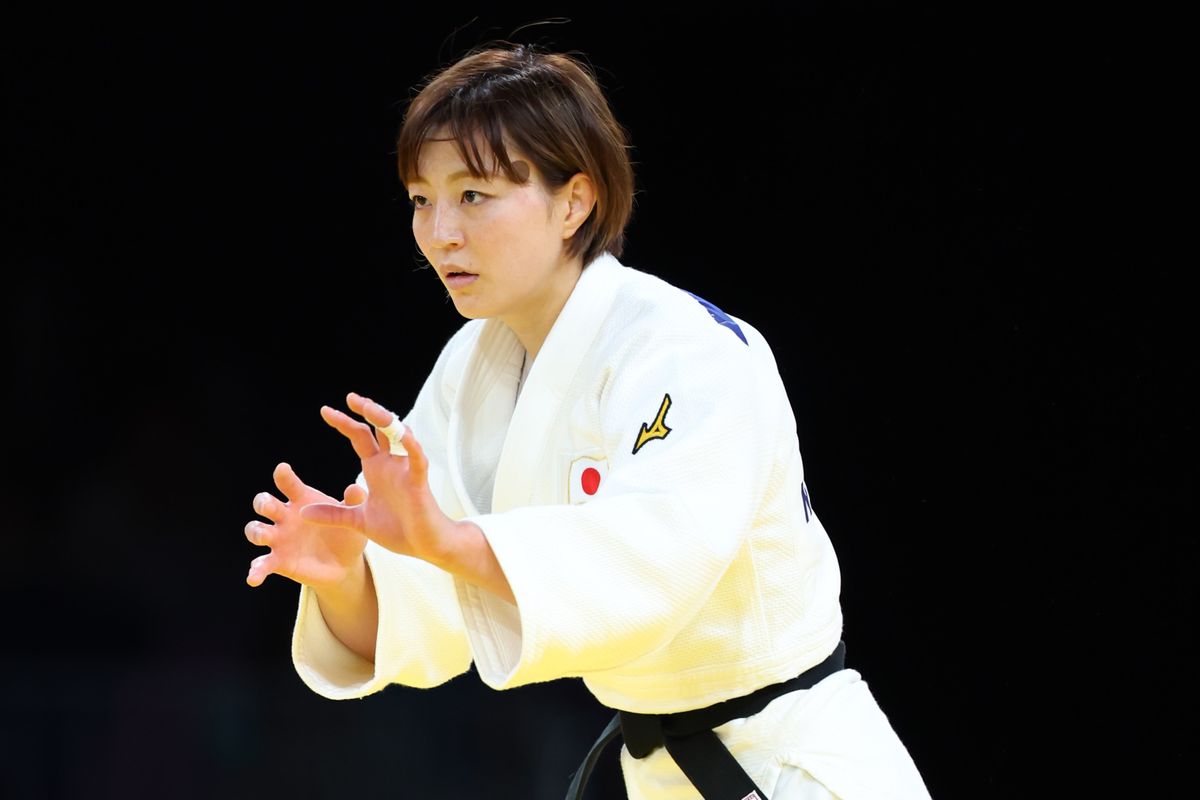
{"points": [[394, 432]]}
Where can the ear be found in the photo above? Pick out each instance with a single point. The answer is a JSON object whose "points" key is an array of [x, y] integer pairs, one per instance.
{"points": [[579, 195]]}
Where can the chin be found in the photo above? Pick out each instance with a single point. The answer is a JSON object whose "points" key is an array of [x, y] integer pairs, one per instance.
{"points": [[469, 310]]}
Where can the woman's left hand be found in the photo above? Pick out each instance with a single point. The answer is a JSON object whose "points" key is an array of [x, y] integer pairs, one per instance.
{"points": [[400, 512]]}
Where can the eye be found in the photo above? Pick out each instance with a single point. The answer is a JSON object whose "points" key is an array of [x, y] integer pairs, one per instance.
{"points": [[472, 197], [418, 201]]}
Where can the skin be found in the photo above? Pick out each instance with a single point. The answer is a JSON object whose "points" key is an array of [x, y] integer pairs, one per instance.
{"points": [[499, 249], [510, 236]]}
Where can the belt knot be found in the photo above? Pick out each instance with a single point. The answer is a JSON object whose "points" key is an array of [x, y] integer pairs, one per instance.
{"points": [[642, 733]]}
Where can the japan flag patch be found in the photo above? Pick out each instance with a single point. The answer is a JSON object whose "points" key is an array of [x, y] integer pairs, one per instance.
{"points": [[587, 475]]}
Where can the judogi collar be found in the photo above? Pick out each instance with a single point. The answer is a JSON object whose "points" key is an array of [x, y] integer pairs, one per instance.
{"points": [[490, 424]]}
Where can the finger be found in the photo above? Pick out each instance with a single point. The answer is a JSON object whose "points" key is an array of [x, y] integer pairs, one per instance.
{"points": [[334, 515], [389, 430], [260, 568], [268, 506], [288, 481], [418, 464], [359, 434], [377, 415], [259, 533], [356, 402], [354, 495]]}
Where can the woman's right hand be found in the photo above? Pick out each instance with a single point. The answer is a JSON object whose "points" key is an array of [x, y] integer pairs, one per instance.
{"points": [[307, 552]]}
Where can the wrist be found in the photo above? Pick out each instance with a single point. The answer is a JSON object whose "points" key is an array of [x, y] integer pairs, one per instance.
{"points": [[470, 556], [348, 586], [454, 546]]}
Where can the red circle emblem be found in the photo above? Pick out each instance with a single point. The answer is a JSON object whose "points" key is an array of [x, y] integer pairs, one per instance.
{"points": [[590, 480]]}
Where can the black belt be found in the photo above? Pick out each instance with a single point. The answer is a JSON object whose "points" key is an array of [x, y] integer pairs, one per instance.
{"points": [[689, 738]]}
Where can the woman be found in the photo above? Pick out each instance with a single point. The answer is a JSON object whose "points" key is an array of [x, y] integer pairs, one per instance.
{"points": [[600, 478]]}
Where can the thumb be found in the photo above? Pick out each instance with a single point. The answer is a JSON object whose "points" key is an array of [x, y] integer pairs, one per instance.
{"points": [[354, 495], [333, 514]]}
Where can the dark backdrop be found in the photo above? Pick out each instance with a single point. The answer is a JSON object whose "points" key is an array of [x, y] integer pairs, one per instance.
{"points": [[206, 241]]}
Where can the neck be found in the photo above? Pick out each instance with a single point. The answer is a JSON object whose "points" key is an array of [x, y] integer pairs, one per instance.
{"points": [[532, 331]]}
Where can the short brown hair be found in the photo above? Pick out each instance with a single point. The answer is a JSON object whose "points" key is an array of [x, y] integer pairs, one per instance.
{"points": [[550, 108]]}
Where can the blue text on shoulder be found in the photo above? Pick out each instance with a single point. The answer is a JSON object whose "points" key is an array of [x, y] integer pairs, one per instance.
{"points": [[721, 317]]}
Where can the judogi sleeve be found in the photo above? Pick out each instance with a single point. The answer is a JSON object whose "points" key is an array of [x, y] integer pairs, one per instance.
{"points": [[421, 641], [604, 583]]}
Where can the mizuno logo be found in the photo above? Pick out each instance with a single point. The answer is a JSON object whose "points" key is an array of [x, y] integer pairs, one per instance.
{"points": [[658, 429]]}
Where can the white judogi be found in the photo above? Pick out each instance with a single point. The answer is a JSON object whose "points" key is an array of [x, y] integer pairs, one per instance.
{"points": [[645, 498]]}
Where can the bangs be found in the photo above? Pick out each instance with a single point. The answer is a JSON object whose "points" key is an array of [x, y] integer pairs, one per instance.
{"points": [[547, 112], [477, 133]]}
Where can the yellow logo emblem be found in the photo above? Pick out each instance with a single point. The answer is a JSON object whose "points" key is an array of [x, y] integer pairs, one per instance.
{"points": [[656, 430]]}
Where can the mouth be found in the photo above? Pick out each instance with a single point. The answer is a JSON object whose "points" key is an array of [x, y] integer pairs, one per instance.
{"points": [[457, 279]]}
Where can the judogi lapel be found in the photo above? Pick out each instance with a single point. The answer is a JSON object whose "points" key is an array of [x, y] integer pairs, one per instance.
{"points": [[498, 443]]}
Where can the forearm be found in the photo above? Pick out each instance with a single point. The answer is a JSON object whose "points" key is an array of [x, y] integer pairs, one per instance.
{"points": [[471, 558], [351, 610]]}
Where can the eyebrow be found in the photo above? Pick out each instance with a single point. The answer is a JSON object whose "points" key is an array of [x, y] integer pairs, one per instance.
{"points": [[454, 176]]}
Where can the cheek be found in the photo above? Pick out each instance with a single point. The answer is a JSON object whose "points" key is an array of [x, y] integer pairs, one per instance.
{"points": [[525, 223], [419, 232], [500, 233]]}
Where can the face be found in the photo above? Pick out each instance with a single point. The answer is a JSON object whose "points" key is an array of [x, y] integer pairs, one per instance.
{"points": [[497, 246]]}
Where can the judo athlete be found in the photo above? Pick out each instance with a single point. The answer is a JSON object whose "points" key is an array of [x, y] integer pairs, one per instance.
{"points": [[600, 478]]}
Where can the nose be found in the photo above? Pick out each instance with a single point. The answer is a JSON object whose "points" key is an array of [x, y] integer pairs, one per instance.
{"points": [[446, 230]]}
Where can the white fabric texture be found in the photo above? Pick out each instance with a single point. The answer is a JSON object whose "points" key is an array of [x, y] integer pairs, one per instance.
{"points": [[645, 498]]}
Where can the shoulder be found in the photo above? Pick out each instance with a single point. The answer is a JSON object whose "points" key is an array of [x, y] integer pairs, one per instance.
{"points": [[649, 309]]}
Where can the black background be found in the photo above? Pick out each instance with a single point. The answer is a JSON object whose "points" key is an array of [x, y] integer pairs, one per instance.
{"points": [[925, 212]]}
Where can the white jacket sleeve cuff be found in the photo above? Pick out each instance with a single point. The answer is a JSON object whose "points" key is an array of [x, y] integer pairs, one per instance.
{"points": [[421, 642]]}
